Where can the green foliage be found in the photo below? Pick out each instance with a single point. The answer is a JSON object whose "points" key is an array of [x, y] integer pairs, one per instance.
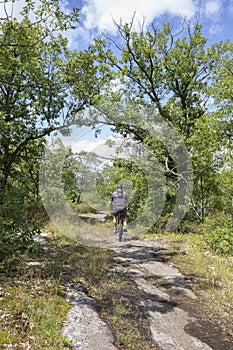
{"points": [[31, 313], [32, 100], [218, 234], [221, 88], [225, 183], [34, 91], [83, 207], [20, 219], [162, 69], [132, 172], [176, 74], [12, 245], [134, 182], [44, 86]]}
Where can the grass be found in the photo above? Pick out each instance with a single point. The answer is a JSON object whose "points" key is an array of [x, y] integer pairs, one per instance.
{"points": [[32, 313], [211, 274], [120, 302], [33, 304], [113, 292]]}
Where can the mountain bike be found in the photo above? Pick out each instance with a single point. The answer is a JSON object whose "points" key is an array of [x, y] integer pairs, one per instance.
{"points": [[120, 227]]}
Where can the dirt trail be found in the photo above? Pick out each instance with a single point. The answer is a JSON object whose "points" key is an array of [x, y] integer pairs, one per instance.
{"points": [[174, 320]]}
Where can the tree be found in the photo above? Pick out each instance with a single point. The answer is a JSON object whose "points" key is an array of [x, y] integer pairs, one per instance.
{"points": [[168, 71], [221, 89], [222, 92], [174, 73], [35, 98], [206, 145]]}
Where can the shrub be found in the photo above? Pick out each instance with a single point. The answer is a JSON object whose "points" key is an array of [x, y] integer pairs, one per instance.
{"points": [[12, 245], [17, 229], [218, 234]]}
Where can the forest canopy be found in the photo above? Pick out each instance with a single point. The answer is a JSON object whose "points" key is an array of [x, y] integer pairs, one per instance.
{"points": [[162, 77]]}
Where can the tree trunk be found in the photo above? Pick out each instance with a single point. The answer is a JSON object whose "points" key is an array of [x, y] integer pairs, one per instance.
{"points": [[202, 199], [6, 168]]}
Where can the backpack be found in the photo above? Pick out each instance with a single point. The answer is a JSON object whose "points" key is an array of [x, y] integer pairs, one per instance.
{"points": [[119, 200]]}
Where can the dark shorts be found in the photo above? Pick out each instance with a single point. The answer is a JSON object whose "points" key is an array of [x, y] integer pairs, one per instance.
{"points": [[121, 211]]}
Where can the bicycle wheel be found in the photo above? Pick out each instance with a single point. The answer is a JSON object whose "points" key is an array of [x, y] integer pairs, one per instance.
{"points": [[120, 229]]}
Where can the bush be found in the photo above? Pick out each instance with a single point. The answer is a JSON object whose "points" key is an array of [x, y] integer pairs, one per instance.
{"points": [[83, 208], [17, 229], [13, 244], [218, 234]]}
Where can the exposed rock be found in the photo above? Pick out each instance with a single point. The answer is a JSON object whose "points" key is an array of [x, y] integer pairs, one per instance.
{"points": [[164, 288], [84, 327]]}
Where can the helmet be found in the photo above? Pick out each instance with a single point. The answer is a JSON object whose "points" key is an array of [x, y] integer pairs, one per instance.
{"points": [[119, 187]]}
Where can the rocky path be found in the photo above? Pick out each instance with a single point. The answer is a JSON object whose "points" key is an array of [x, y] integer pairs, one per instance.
{"points": [[174, 324], [168, 320]]}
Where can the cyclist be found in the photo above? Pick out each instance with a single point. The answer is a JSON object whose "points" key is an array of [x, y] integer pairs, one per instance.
{"points": [[119, 203]]}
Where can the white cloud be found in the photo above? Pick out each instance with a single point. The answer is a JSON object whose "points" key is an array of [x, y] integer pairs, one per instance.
{"points": [[212, 7], [213, 11], [86, 145], [215, 29], [100, 147], [78, 37], [105, 147], [99, 14]]}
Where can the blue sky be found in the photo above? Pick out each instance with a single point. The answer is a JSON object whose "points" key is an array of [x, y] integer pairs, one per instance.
{"points": [[96, 16]]}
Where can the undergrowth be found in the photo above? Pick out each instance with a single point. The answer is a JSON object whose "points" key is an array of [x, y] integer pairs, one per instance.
{"points": [[211, 273], [33, 304], [34, 280]]}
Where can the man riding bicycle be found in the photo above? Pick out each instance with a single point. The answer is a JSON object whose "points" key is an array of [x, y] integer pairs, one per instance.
{"points": [[119, 203]]}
